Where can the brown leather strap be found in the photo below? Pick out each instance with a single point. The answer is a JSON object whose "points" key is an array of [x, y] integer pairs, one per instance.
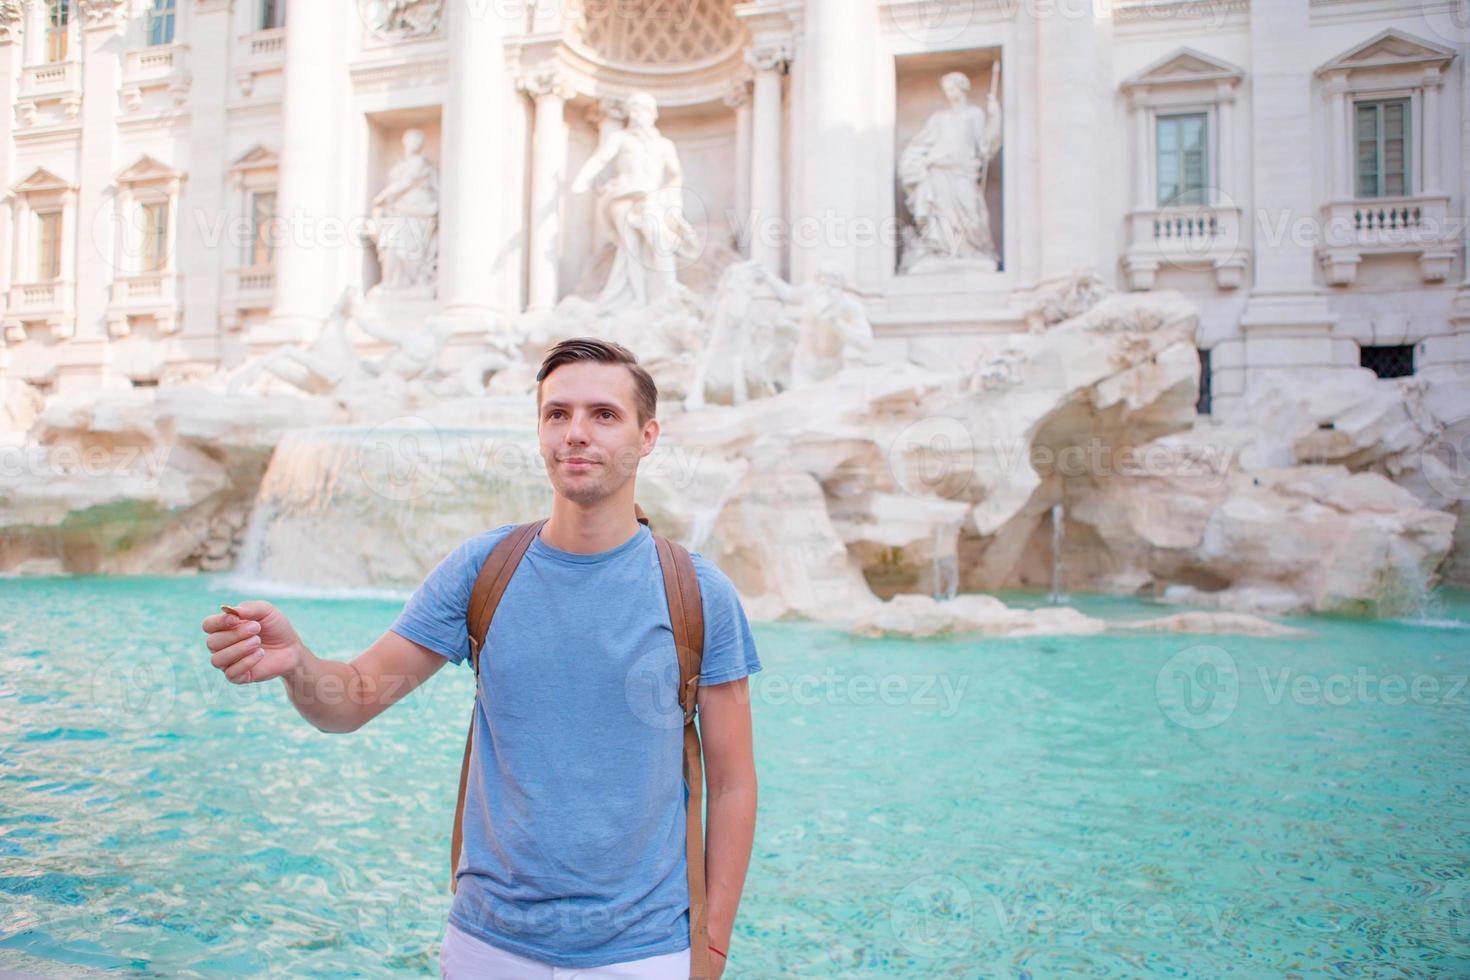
{"points": [[686, 616], [484, 598]]}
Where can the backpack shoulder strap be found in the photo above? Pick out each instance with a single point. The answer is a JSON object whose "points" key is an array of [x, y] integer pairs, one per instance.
{"points": [[686, 615], [494, 576]]}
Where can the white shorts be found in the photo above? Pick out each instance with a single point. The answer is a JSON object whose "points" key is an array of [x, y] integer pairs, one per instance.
{"points": [[465, 957]]}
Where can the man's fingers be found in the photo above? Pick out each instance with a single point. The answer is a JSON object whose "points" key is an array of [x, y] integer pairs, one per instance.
{"points": [[219, 640], [239, 671], [215, 622], [231, 657]]}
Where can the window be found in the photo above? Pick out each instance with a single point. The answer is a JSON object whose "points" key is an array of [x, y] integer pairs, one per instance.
{"points": [[155, 236], [161, 21], [1202, 406], [58, 16], [272, 14], [1183, 171], [1382, 136], [262, 231], [48, 245], [1388, 361]]}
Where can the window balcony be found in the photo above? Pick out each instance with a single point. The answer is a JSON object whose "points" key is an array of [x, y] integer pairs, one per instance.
{"points": [[159, 66], [51, 301], [154, 294], [260, 53], [251, 287], [57, 83], [155, 62], [1203, 237], [51, 79], [1416, 225]]}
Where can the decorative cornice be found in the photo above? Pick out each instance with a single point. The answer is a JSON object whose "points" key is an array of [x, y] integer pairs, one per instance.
{"points": [[12, 20], [213, 6], [100, 14]]}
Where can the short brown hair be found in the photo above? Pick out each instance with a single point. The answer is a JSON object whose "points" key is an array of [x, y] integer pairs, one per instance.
{"points": [[602, 352]]}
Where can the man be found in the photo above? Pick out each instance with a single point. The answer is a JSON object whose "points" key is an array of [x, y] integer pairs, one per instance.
{"points": [[574, 834]]}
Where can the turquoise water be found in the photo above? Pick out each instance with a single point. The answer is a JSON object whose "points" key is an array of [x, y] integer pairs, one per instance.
{"points": [[1104, 806]]}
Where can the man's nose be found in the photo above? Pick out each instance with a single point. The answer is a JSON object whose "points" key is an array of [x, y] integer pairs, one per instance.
{"points": [[577, 428]]}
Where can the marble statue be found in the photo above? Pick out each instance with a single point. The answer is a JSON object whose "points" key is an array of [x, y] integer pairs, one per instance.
{"points": [[750, 344], [943, 171], [404, 225], [832, 327], [317, 369], [642, 205]]}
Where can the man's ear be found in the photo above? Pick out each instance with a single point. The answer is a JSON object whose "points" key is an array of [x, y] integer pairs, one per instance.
{"points": [[651, 429]]}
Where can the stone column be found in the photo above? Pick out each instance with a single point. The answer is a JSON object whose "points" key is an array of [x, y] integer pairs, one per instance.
{"points": [[549, 91], [1286, 323], [102, 23], [307, 201], [1432, 82], [765, 225], [1339, 138], [202, 260], [738, 98], [1143, 167], [836, 110], [473, 225], [1072, 128], [12, 20]]}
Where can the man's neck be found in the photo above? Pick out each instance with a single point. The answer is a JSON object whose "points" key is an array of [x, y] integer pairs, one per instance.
{"points": [[589, 530]]}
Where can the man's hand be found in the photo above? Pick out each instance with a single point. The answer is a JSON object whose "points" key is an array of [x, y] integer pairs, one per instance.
{"points": [[257, 645]]}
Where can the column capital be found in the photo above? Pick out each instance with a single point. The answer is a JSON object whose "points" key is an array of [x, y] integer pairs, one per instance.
{"points": [[537, 82], [103, 14], [769, 54]]}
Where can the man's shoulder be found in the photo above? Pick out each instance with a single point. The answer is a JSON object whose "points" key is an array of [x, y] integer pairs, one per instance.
{"points": [[474, 550], [713, 582]]}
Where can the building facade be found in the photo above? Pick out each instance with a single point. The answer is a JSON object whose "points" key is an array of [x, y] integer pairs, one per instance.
{"points": [[192, 182]]}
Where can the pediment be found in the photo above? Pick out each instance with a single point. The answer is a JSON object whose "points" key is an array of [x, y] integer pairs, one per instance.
{"points": [[40, 180], [258, 157], [1182, 66], [1388, 49], [146, 168]]}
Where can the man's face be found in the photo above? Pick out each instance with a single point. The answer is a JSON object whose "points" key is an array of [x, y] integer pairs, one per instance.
{"points": [[591, 441]]}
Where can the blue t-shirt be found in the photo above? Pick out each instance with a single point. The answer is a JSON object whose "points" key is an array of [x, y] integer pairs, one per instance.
{"points": [[574, 817]]}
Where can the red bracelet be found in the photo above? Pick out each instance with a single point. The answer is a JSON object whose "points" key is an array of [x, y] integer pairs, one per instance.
{"points": [[722, 955]]}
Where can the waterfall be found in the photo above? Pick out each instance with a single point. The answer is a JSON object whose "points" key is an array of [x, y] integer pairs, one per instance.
{"points": [[1058, 573], [704, 518], [946, 568]]}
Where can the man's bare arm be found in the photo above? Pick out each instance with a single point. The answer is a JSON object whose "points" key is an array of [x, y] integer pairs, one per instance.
{"points": [[342, 696], [729, 771], [255, 642]]}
